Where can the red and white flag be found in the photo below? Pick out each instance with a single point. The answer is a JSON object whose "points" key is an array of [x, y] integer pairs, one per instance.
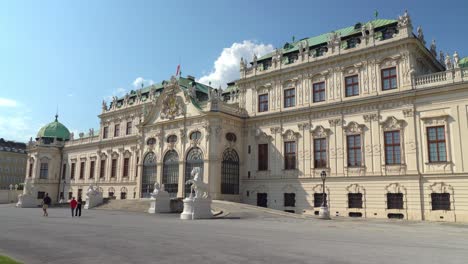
{"points": [[178, 70]]}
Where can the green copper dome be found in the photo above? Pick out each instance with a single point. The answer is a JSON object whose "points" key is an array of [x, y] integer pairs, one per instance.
{"points": [[54, 130]]}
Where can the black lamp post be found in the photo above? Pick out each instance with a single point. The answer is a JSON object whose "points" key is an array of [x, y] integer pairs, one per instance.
{"points": [[324, 213], [63, 189], [323, 175]]}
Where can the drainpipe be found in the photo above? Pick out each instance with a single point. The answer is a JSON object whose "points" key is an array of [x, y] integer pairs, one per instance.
{"points": [[60, 174]]}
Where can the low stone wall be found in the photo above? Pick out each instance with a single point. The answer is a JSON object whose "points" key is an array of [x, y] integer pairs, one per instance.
{"points": [[7, 196]]}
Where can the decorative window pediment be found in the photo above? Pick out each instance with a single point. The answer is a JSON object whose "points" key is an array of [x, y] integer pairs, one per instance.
{"points": [[441, 187], [395, 188], [45, 159], [290, 135], [115, 155], [127, 154], [436, 120], [103, 155], [354, 128], [355, 188], [391, 123], [320, 132]]}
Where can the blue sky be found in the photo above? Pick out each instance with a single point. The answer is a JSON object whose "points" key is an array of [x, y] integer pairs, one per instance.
{"points": [[74, 54]]}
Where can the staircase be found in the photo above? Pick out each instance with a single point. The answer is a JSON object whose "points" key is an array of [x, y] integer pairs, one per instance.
{"points": [[136, 205]]}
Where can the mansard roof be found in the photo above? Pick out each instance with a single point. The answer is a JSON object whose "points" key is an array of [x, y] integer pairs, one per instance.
{"points": [[184, 82], [323, 38]]}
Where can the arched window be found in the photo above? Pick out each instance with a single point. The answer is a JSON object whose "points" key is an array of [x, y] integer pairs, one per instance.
{"points": [[123, 193], [230, 172], [196, 135], [231, 137], [111, 193], [171, 172], [172, 139], [149, 175], [194, 159]]}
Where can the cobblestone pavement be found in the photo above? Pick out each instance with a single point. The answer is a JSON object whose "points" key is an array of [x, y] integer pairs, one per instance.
{"points": [[248, 236]]}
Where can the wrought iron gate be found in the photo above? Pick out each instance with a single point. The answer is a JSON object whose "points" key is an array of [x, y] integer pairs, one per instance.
{"points": [[149, 175], [171, 172], [194, 159]]}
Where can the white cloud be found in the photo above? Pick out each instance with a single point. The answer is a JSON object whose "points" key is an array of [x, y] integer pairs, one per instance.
{"points": [[5, 102], [17, 124], [119, 92], [140, 80], [226, 66]]}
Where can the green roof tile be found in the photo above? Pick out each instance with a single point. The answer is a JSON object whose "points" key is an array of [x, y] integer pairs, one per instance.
{"points": [[323, 38], [463, 62]]}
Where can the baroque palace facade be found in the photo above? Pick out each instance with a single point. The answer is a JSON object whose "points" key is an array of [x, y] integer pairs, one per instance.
{"points": [[383, 115]]}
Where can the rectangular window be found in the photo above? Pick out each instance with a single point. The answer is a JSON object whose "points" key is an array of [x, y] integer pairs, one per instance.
{"points": [[114, 168], [116, 130], [72, 171], [354, 150], [102, 170], [319, 92], [289, 97], [64, 171], [82, 169], [440, 201], [263, 103], [31, 165], [44, 171], [262, 157], [354, 200], [352, 85], [126, 167], [91, 169], [394, 201], [320, 153], [392, 147], [128, 131], [389, 79], [290, 199], [105, 132], [40, 195], [290, 155], [70, 195], [318, 199], [436, 144]]}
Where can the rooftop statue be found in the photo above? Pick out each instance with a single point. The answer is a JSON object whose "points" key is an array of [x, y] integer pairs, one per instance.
{"points": [[448, 62], [433, 48], [421, 35], [456, 60]]}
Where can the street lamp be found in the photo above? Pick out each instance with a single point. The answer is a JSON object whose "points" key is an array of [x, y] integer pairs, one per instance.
{"points": [[324, 213], [63, 191]]}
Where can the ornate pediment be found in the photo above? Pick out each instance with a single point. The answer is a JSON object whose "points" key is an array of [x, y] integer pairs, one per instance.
{"points": [[172, 106], [391, 123], [395, 188], [354, 128], [320, 132], [290, 135], [355, 188], [441, 187]]}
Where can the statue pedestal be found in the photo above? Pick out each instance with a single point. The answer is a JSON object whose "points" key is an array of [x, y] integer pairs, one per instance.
{"points": [[196, 208], [324, 213], [93, 200], [160, 203], [27, 201]]}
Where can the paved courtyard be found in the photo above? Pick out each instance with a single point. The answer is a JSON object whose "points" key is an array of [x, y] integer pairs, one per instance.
{"points": [[121, 237]]}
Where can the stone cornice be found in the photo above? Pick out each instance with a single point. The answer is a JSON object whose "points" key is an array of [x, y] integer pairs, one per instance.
{"points": [[332, 60]]}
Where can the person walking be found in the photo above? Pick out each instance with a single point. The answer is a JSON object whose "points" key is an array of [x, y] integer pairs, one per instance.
{"points": [[73, 204], [45, 204], [78, 207]]}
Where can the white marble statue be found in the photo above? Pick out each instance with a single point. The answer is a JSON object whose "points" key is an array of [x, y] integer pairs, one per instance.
{"points": [[200, 188], [160, 200], [421, 35], [93, 197], [28, 199], [456, 60], [448, 62]]}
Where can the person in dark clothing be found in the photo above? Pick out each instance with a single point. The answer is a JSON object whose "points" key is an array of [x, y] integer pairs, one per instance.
{"points": [[45, 204], [78, 207], [73, 204]]}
